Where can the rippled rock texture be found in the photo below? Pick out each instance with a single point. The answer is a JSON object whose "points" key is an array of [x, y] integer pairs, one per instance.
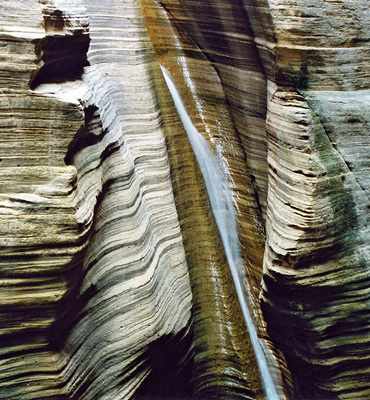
{"points": [[114, 282]]}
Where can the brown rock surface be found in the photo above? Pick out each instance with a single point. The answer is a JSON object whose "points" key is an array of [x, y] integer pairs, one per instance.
{"points": [[114, 282]]}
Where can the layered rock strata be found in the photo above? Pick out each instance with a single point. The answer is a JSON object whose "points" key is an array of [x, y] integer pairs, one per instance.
{"points": [[221, 367], [204, 96], [40, 238], [93, 263], [114, 280], [316, 254]]}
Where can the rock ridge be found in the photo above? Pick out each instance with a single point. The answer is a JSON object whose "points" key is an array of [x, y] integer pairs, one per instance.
{"points": [[114, 281]]}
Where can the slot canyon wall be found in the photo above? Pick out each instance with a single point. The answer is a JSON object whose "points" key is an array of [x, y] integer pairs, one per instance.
{"points": [[114, 281]]}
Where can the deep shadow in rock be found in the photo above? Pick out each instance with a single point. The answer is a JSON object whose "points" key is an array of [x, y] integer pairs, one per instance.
{"points": [[172, 363], [63, 58]]}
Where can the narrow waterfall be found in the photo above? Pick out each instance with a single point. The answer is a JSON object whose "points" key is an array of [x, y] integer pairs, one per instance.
{"points": [[220, 199]]}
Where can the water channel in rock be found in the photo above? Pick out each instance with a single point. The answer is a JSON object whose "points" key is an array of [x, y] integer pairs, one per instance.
{"points": [[220, 199]]}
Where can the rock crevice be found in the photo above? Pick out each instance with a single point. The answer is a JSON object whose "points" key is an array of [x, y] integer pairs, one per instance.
{"points": [[114, 282]]}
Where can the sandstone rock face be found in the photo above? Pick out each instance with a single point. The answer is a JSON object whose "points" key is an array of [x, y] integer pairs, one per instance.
{"points": [[318, 203], [93, 264], [114, 282]]}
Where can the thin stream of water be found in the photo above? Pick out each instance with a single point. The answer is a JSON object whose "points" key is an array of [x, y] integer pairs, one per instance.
{"points": [[220, 199]]}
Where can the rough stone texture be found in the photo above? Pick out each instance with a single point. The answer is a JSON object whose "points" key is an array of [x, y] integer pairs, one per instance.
{"points": [[317, 257], [113, 279], [93, 266]]}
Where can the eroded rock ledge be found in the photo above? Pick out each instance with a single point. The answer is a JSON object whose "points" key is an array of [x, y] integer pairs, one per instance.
{"points": [[114, 283]]}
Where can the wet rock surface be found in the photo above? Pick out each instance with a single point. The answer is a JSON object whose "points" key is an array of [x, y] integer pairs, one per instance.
{"points": [[114, 281]]}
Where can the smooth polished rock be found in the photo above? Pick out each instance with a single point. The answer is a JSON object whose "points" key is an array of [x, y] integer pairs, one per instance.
{"points": [[223, 361], [222, 32]]}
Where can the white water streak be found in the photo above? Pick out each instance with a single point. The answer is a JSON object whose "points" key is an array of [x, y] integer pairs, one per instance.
{"points": [[220, 199]]}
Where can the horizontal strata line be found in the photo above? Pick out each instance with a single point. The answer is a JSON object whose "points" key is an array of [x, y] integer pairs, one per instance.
{"points": [[323, 49], [137, 208], [145, 238], [138, 200], [152, 298]]}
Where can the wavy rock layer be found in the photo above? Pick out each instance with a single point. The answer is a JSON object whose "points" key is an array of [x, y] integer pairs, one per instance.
{"points": [[113, 279], [316, 259], [40, 238], [94, 270]]}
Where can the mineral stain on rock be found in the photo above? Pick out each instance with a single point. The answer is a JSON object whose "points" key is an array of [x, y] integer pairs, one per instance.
{"points": [[114, 280]]}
